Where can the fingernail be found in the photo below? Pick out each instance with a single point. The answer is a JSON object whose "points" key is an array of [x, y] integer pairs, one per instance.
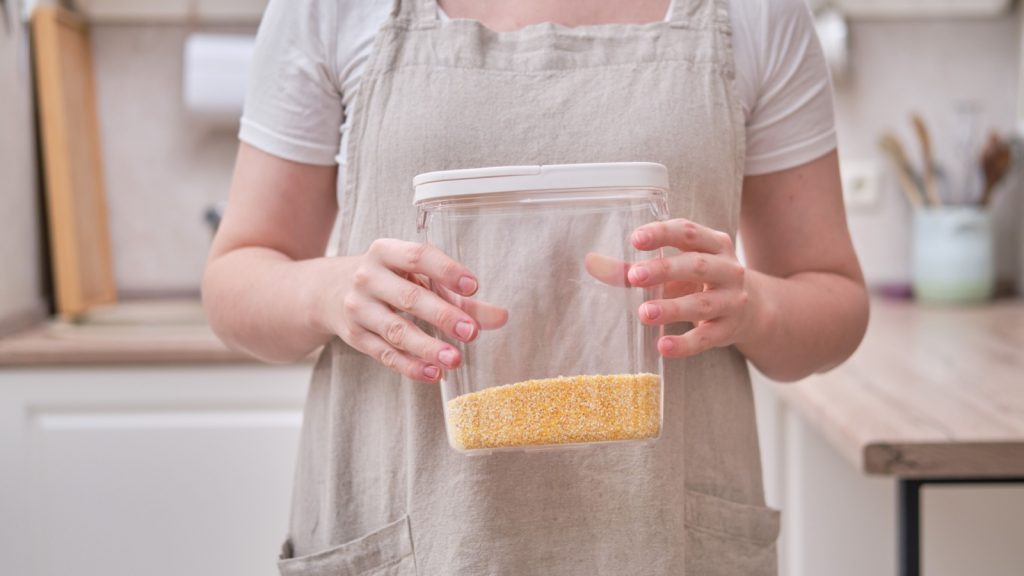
{"points": [[447, 357], [464, 330], [667, 345], [640, 273], [651, 311], [641, 237], [467, 285], [431, 372]]}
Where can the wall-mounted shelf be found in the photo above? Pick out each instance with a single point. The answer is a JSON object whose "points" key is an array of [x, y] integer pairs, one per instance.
{"points": [[171, 10], [883, 9]]}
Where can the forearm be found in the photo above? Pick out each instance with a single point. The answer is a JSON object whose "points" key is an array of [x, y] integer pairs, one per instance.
{"points": [[808, 322], [262, 302]]}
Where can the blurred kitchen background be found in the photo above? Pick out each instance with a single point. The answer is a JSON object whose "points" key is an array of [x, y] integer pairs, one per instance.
{"points": [[131, 442]]}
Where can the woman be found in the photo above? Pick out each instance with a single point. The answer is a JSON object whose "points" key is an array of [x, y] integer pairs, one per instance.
{"points": [[731, 95]]}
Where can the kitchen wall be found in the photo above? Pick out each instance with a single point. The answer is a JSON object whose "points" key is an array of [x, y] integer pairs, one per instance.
{"points": [[900, 66], [163, 165], [21, 290]]}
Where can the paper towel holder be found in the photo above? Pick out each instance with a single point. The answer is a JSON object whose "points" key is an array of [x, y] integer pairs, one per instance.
{"points": [[215, 73]]}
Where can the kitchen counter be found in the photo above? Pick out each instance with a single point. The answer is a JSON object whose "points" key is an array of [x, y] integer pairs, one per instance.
{"points": [[157, 332], [56, 343], [931, 393]]}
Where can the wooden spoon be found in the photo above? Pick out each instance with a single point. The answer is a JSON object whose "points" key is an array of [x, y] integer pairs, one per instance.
{"points": [[995, 163], [930, 188], [891, 146]]}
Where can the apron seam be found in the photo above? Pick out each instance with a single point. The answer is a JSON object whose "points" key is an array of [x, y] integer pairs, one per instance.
{"points": [[581, 32], [694, 65], [387, 564], [728, 535]]}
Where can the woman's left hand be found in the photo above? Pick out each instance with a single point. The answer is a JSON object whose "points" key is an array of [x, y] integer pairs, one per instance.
{"points": [[704, 284]]}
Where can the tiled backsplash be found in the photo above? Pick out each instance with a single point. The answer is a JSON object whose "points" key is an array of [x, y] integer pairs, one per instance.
{"points": [[163, 167]]}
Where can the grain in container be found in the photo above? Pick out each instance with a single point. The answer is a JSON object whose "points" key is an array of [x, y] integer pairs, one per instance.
{"points": [[571, 364]]}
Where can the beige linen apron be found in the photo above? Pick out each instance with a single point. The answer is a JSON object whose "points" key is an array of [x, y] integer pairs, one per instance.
{"points": [[378, 490]]}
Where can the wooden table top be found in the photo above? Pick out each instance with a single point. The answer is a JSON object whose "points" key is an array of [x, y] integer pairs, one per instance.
{"points": [[932, 392]]}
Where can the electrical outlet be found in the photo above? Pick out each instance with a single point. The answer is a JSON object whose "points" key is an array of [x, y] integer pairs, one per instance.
{"points": [[860, 184]]}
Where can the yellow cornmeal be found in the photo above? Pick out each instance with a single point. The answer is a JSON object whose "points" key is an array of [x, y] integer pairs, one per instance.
{"points": [[559, 410]]}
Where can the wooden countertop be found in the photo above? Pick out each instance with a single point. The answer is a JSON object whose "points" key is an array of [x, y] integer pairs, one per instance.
{"points": [[55, 344], [163, 332], [932, 392]]}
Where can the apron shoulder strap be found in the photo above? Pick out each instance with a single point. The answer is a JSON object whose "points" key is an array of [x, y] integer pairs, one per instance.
{"points": [[419, 11]]}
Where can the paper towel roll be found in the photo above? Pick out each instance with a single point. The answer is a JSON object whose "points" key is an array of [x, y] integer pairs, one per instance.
{"points": [[834, 36], [216, 69]]}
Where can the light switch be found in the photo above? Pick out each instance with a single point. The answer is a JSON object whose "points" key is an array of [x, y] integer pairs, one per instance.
{"points": [[860, 184]]}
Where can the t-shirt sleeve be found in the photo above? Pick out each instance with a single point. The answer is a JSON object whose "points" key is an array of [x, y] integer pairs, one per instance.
{"points": [[792, 121], [293, 105]]}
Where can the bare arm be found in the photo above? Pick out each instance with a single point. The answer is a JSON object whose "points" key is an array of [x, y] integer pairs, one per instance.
{"points": [[266, 257], [799, 307], [804, 273], [268, 289]]}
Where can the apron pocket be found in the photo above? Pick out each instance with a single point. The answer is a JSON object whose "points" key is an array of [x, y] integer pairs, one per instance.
{"points": [[725, 538], [385, 552]]}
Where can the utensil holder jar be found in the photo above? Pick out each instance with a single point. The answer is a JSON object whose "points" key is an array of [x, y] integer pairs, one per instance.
{"points": [[952, 255]]}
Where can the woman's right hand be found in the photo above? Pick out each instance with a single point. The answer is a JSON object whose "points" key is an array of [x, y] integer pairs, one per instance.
{"points": [[364, 307]]}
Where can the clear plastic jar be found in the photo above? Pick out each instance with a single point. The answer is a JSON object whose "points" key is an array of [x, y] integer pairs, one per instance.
{"points": [[562, 358]]}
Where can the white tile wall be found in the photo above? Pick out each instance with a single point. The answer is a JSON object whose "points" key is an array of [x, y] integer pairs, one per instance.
{"points": [[164, 167]]}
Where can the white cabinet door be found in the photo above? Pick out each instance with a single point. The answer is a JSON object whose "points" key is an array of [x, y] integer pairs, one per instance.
{"points": [[156, 471]]}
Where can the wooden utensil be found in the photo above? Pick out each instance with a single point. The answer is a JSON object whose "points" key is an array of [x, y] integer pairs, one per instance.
{"points": [[891, 146], [73, 169], [930, 188], [995, 163]]}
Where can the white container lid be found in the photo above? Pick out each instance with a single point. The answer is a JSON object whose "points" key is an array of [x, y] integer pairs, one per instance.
{"points": [[447, 184]]}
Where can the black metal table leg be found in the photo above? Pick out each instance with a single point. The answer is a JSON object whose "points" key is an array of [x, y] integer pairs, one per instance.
{"points": [[909, 526], [909, 516]]}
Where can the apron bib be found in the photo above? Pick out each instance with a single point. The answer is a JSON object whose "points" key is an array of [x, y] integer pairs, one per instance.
{"points": [[378, 490]]}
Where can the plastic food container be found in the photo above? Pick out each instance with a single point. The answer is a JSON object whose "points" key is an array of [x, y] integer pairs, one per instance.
{"points": [[562, 358]]}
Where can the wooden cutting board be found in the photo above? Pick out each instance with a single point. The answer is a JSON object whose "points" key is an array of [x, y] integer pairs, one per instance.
{"points": [[76, 204]]}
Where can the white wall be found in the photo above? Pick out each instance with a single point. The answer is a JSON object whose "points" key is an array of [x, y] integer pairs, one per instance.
{"points": [[163, 166], [20, 252]]}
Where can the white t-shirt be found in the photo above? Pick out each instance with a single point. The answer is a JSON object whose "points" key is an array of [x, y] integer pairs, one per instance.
{"points": [[310, 56]]}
